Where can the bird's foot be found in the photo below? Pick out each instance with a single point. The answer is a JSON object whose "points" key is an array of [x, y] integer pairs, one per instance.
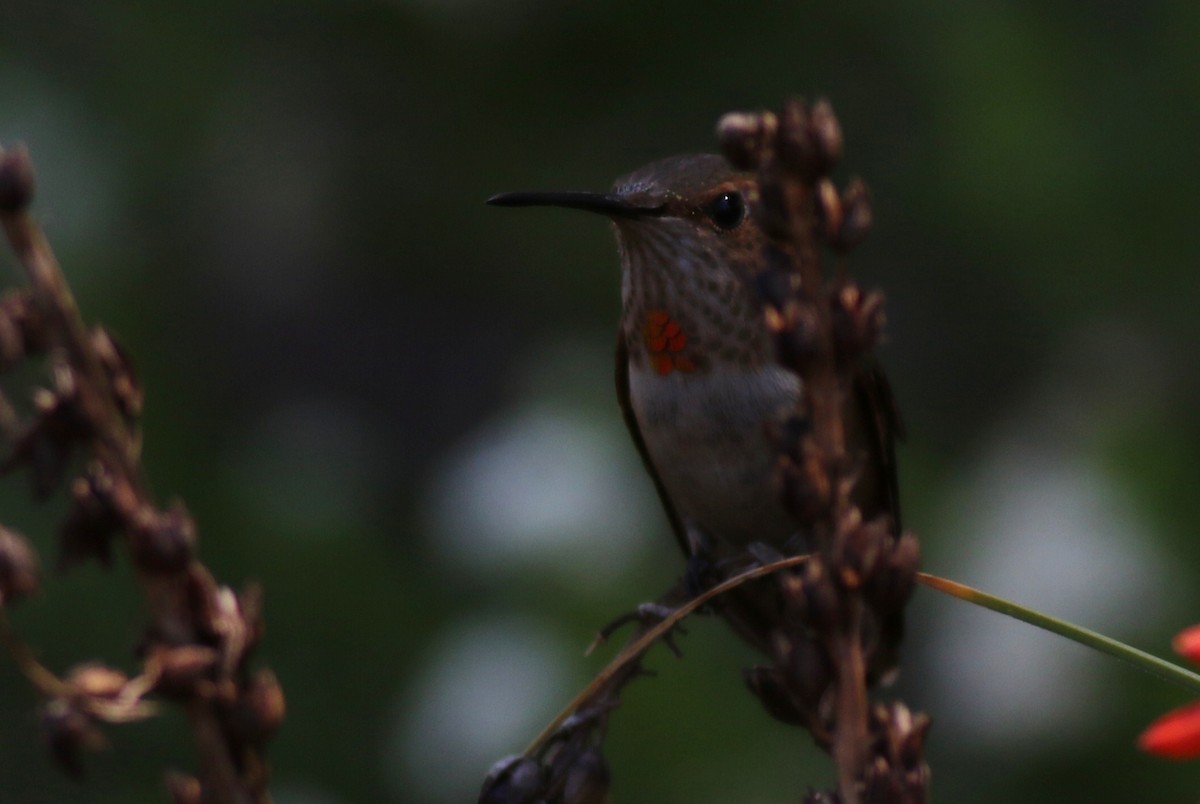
{"points": [[646, 616], [700, 576]]}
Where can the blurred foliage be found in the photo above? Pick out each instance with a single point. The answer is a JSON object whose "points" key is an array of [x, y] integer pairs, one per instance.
{"points": [[278, 207]]}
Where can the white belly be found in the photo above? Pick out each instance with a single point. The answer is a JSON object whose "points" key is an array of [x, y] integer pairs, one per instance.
{"points": [[706, 435]]}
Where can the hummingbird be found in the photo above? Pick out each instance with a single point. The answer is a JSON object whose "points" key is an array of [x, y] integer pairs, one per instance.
{"points": [[696, 373]]}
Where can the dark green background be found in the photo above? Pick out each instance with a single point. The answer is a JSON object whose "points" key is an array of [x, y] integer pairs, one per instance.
{"points": [[278, 208]]}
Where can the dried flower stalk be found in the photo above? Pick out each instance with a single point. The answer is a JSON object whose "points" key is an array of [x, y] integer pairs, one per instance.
{"points": [[197, 646], [842, 615]]}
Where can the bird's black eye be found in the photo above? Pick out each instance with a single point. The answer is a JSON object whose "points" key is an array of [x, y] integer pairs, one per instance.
{"points": [[727, 210]]}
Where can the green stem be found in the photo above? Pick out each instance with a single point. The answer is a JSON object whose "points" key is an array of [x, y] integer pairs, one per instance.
{"points": [[1138, 658]]}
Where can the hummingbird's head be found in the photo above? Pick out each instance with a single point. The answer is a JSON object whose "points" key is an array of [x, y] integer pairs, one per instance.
{"points": [[691, 215], [689, 248]]}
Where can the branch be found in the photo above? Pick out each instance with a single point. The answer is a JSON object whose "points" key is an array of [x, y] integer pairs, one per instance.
{"points": [[197, 647]]}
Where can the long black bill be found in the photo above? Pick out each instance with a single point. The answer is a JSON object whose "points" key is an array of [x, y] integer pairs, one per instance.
{"points": [[603, 203]]}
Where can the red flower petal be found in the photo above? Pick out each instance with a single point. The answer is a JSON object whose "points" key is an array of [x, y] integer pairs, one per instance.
{"points": [[1187, 643], [1175, 735]]}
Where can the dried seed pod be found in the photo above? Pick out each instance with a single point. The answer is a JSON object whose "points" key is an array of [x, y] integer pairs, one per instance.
{"points": [[810, 672], [19, 568], [745, 137], [97, 514], [809, 143], [202, 592], [183, 789], [260, 708], [118, 365], [858, 320], [860, 547], [893, 585], [250, 604], [897, 771], [163, 541], [802, 666], [513, 780], [881, 784], [587, 779], [805, 484], [856, 217], [791, 589], [21, 330], [181, 668], [12, 345], [16, 180], [799, 342], [826, 133], [92, 680], [829, 207], [824, 608], [795, 147], [911, 750], [49, 439], [69, 732], [769, 686]]}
